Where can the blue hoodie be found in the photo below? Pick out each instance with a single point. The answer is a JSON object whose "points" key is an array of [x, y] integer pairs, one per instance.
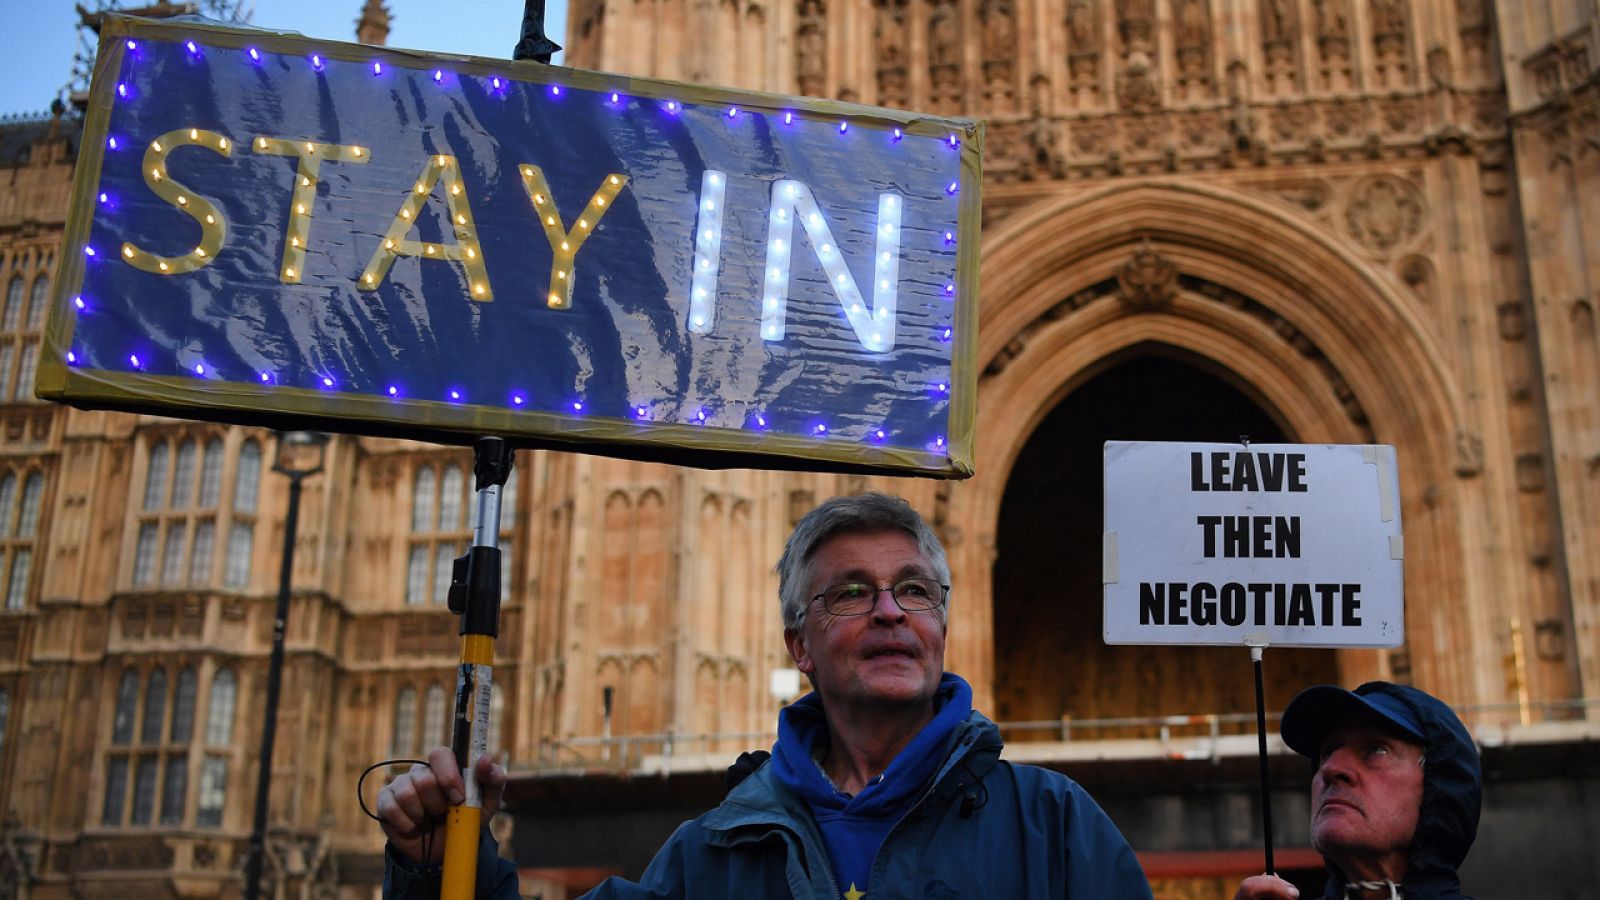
{"points": [[853, 828]]}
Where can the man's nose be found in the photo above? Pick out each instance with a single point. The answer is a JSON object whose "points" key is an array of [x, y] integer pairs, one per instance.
{"points": [[885, 607], [1338, 766]]}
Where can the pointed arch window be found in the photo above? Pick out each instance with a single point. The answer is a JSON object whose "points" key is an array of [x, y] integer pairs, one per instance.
{"points": [[40, 301], [182, 499], [19, 529], [439, 531], [433, 731], [213, 793], [405, 723]]}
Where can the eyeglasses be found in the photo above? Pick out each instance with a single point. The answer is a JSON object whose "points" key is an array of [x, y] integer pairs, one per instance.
{"points": [[855, 598]]}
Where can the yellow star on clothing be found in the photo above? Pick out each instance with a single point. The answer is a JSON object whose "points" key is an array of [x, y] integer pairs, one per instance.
{"points": [[854, 894]]}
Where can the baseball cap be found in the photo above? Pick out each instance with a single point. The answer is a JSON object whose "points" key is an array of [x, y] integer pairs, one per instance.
{"points": [[1318, 710]]}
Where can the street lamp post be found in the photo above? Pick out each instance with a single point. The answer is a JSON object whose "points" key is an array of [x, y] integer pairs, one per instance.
{"points": [[300, 455]]}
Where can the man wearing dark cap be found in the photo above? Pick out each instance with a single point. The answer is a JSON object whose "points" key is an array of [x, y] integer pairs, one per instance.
{"points": [[1395, 795]]}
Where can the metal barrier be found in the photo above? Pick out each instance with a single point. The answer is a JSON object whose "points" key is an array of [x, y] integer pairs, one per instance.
{"points": [[657, 753]]}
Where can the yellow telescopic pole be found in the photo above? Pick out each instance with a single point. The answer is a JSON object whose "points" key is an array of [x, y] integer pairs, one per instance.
{"points": [[475, 595]]}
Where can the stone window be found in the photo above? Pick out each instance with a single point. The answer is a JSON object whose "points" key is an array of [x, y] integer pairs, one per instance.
{"points": [[408, 741], [218, 738], [27, 298], [442, 511], [405, 723], [175, 537], [152, 745], [19, 527]]}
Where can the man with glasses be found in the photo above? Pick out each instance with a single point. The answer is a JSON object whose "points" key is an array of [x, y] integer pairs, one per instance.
{"points": [[1395, 794], [884, 781]]}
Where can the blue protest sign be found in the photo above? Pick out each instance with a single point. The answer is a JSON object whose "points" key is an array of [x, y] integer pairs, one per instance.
{"points": [[350, 238]]}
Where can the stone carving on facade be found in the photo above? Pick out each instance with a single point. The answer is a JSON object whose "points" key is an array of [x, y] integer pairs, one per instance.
{"points": [[1333, 41], [890, 40], [1384, 212], [811, 49], [1083, 50], [1192, 43], [1279, 26], [1390, 42], [999, 48], [1473, 23], [1469, 454], [944, 56], [1417, 273], [1137, 84], [1148, 281]]}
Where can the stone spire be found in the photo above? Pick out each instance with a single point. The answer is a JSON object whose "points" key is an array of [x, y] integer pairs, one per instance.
{"points": [[373, 26]]}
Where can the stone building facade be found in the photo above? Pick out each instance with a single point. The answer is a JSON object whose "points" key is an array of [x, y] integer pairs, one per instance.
{"points": [[1306, 220]]}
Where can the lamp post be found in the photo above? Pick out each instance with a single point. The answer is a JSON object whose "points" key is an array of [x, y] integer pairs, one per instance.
{"points": [[300, 455]]}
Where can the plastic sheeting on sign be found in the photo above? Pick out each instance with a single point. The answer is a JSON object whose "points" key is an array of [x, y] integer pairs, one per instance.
{"points": [[306, 234]]}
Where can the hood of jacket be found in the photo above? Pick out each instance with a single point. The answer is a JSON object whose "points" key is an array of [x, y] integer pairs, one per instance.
{"points": [[1452, 797]]}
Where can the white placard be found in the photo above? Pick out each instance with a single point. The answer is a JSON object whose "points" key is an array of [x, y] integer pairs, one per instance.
{"points": [[1293, 545]]}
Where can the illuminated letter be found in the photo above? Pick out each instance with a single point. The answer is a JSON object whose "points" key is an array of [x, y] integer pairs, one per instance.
{"points": [[213, 230], [565, 244], [707, 253], [305, 193], [466, 250], [874, 328]]}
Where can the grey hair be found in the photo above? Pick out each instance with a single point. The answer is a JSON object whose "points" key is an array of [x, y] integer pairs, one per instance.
{"points": [[860, 512]]}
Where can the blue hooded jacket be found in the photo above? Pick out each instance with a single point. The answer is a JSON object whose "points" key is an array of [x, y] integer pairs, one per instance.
{"points": [[1452, 796], [853, 827]]}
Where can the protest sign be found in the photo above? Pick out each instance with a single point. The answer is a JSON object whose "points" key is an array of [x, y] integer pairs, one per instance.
{"points": [[309, 234], [1272, 544]]}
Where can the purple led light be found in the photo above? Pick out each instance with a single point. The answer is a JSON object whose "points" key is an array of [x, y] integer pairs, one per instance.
{"points": [[255, 55], [122, 89], [898, 134], [438, 76], [878, 435], [788, 118], [949, 238], [941, 388], [672, 106], [327, 382], [946, 334], [951, 190], [134, 359], [104, 198], [394, 391], [495, 81], [938, 442], [761, 421], [822, 428], [843, 127], [72, 358], [700, 417], [615, 98], [192, 48], [641, 412], [577, 406], [316, 61], [265, 377], [733, 112], [88, 251], [133, 45], [455, 395], [953, 141], [78, 302], [199, 368], [518, 399], [377, 68], [555, 90], [111, 143], [949, 290]]}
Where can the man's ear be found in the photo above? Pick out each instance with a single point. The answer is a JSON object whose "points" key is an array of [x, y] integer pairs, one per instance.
{"points": [[795, 640]]}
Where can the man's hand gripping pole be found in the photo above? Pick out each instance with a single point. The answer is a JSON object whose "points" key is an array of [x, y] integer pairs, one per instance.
{"points": [[475, 596]]}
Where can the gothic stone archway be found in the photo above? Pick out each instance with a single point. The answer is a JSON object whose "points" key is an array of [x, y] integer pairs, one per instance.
{"points": [[1334, 346]]}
